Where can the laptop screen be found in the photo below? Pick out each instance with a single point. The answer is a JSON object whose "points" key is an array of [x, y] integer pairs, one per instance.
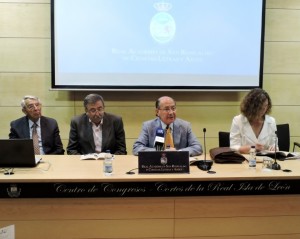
{"points": [[17, 153]]}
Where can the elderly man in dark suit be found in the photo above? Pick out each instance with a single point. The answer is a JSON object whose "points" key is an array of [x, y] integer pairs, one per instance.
{"points": [[96, 131], [49, 141], [180, 130]]}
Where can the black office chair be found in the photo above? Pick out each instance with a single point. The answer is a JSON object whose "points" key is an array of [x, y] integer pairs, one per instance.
{"points": [[283, 134], [296, 144], [224, 139]]}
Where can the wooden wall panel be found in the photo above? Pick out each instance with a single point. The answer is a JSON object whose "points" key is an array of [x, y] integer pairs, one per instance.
{"points": [[86, 208], [294, 236], [241, 206], [138, 228], [89, 217], [237, 226]]}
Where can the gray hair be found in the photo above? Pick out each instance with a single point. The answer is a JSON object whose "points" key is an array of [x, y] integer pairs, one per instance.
{"points": [[92, 99], [30, 97]]}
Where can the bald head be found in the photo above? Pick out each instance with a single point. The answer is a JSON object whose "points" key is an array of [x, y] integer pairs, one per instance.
{"points": [[166, 109]]}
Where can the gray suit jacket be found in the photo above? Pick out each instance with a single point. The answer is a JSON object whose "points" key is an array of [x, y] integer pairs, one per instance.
{"points": [[81, 140], [183, 137], [51, 140]]}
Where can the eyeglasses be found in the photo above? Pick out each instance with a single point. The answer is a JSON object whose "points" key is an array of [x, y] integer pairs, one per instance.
{"points": [[93, 110], [31, 107], [168, 110]]}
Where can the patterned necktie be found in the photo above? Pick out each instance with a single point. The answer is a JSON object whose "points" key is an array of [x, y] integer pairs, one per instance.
{"points": [[169, 138], [35, 139]]}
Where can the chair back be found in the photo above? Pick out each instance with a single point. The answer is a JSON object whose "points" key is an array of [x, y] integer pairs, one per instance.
{"points": [[283, 134], [224, 139]]}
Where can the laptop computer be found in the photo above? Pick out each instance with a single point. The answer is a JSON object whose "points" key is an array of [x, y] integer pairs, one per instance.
{"points": [[163, 162], [17, 153]]}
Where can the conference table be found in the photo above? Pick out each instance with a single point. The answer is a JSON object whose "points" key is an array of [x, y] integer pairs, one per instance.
{"points": [[66, 197]]}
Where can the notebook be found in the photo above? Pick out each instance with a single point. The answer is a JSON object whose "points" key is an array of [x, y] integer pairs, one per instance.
{"points": [[17, 153], [163, 162]]}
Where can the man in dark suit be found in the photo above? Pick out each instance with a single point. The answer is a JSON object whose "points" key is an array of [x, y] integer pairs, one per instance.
{"points": [[182, 136], [49, 141], [96, 131]]}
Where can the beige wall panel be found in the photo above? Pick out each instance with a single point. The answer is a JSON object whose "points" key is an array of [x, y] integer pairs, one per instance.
{"points": [[235, 206], [288, 114], [13, 86], [282, 57], [282, 25], [33, 20], [139, 228], [65, 143], [86, 208], [147, 99], [284, 89], [62, 115], [7, 114], [237, 226], [24, 55], [213, 118], [129, 144], [291, 4], [25, 1]]}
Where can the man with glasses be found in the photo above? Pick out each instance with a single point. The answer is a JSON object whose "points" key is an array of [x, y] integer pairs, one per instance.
{"points": [[96, 131], [46, 129], [181, 135]]}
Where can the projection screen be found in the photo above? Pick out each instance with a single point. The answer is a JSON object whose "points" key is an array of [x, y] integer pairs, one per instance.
{"points": [[157, 45]]}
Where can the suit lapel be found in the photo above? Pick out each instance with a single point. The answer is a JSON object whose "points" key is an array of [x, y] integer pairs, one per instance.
{"points": [[44, 127], [106, 131], [176, 134], [25, 130], [89, 132]]}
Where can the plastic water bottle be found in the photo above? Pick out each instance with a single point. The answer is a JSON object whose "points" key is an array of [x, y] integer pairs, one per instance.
{"points": [[108, 163], [252, 158]]}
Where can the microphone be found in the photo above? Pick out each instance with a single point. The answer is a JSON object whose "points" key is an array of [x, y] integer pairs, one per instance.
{"points": [[159, 139], [205, 165], [275, 165]]}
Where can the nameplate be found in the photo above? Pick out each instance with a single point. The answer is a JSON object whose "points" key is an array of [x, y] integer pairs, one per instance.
{"points": [[154, 162]]}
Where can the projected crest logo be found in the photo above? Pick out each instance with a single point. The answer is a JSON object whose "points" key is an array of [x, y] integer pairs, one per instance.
{"points": [[162, 25]]}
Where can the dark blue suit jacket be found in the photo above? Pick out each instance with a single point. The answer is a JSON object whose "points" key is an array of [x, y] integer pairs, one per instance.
{"points": [[51, 141]]}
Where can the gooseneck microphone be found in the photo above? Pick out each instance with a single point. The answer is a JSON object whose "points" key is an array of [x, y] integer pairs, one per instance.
{"points": [[204, 143], [159, 139], [205, 165], [275, 165]]}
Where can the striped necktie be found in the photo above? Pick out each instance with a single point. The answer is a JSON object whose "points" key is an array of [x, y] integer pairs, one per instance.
{"points": [[35, 139]]}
